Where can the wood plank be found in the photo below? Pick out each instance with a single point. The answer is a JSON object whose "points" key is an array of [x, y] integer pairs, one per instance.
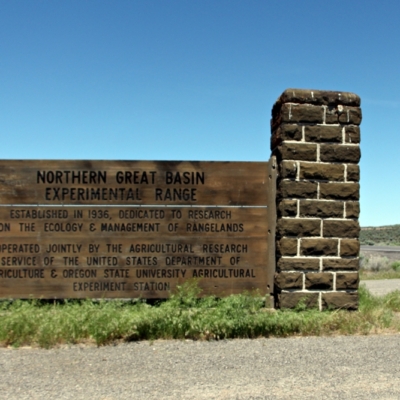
{"points": [[54, 269], [109, 222], [212, 280], [133, 182]]}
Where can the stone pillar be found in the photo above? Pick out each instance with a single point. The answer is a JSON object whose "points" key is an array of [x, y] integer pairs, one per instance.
{"points": [[315, 138]]}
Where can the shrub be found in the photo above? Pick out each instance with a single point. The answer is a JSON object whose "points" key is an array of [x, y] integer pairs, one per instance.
{"points": [[375, 263], [396, 266]]}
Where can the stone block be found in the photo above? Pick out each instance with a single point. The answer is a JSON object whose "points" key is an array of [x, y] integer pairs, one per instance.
{"points": [[288, 170], [300, 190], [287, 208], [341, 264], [339, 191], [289, 280], [341, 228], [319, 171], [287, 247], [352, 134], [350, 115], [319, 281], [291, 112], [347, 281], [323, 133], [343, 300], [331, 115], [342, 153], [353, 172], [349, 247], [286, 132], [343, 115], [298, 264], [296, 151], [298, 227], [319, 97], [321, 209], [319, 247], [352, 209], [292, 299]]}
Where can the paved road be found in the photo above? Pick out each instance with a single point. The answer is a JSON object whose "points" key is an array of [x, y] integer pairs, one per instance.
{"points": [[390, 252], [378, 249], [344, 367]]}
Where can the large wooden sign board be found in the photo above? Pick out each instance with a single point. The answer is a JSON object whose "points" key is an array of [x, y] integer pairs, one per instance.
{"points": [[130, 229]]}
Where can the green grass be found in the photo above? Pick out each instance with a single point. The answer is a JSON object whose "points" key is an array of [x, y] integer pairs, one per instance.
{"points": [[38, 323]]}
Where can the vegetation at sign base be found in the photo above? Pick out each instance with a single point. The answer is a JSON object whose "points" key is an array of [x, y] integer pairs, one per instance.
{"points": [[383, 235], [184, 316]]}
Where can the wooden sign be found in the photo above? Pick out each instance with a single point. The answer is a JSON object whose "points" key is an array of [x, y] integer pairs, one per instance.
{"points": [[129, 229]]}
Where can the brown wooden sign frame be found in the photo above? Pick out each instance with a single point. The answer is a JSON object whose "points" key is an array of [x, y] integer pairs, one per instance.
{"points": [[128, 229]]}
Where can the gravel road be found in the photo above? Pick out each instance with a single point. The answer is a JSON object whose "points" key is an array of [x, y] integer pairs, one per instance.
{"points": [[344, 367]]}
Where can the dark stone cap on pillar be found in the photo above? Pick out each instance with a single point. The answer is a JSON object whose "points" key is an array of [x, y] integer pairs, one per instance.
{"points": [[319, 97]]}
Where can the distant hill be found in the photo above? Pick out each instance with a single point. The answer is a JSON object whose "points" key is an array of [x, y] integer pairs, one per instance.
{"points": [[388, 235]]}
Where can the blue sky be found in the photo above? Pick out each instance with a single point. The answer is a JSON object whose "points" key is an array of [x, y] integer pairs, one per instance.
{"points": [[195, 80]]}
